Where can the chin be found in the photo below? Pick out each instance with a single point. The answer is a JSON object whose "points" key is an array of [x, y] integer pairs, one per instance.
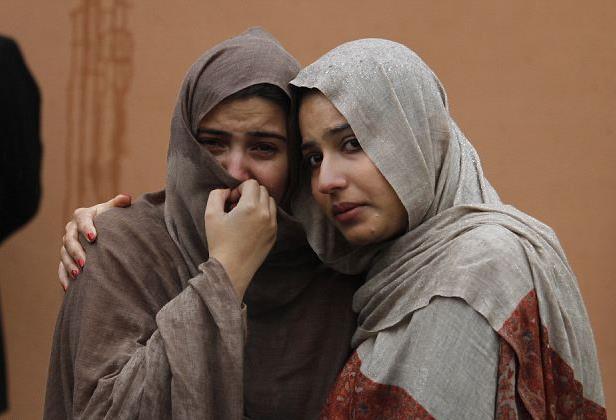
{"points": [[362, 242], [361, 237]]}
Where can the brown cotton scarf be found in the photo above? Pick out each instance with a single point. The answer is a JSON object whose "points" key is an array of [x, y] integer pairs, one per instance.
{"points": [[153, 329], [462, 242]]}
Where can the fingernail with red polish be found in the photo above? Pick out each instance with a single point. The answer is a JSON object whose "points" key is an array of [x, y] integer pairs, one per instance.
{"points": [[81, 262], [90, 236], [74, 272]]}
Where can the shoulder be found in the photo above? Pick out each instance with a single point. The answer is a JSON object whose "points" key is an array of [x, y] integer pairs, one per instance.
{"points": [[490, 238], [140, 226], [133, 250], [489, 252]]}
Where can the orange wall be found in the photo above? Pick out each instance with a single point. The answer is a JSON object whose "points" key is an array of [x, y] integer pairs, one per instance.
{"points": [[531, 84]]}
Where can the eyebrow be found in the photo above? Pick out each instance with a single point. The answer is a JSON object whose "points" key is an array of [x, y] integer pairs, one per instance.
{"points": [[309, 144], [267, 134], [338, 128], [212, 132], [259, 133]]}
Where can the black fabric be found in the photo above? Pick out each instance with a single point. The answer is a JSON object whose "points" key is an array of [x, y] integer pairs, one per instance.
{"points": [[3, 386], [20, 155], [20, 145]]}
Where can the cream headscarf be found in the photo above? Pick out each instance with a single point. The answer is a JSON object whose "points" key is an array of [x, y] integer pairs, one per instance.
{"points": [[462, 240]]}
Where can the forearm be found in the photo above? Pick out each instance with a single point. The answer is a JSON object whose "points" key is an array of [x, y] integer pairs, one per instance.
{"points": [[204, 328]]}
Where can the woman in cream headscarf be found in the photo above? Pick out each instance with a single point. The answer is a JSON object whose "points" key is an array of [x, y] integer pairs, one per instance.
{"points": [[154, 327], [470, 309]]}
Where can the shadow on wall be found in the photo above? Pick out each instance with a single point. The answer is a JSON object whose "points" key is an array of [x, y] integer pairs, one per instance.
{"points": [[100, 76]]}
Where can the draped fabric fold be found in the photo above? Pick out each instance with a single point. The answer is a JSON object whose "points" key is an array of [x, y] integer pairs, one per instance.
{"points": [[462, 243]]}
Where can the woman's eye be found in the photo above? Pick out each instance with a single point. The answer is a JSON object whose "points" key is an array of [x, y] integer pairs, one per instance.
{"points": [[313, 160], [351, 145], [265, 148], [214, 146]]}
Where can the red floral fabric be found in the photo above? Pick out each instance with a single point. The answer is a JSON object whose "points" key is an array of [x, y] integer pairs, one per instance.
{"points": [[506, 408], [355, 396], [533, 381], [545, 383]]}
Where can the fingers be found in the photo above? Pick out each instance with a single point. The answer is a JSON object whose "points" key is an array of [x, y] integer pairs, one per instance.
{"points": [[273, 209], [72, 254], [216, 202], [234, 195], [68, 263], [63, 277], [263, 198], [249, 191], [72, 245], [120, 200], [84, 219]]}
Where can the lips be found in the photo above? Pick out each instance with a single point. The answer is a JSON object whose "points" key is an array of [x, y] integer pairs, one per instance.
{"points": [[346, 212]]}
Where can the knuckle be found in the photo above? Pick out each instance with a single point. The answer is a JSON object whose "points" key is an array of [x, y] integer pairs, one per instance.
{"points": [[211, 216], [214, 194]]}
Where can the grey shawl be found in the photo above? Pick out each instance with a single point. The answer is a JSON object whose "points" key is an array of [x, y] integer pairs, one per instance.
{"points": [[153, 329], [462, 242]]}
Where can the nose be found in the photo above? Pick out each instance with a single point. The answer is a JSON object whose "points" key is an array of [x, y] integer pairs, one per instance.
{"points": [[237, 165], [330, 178]]}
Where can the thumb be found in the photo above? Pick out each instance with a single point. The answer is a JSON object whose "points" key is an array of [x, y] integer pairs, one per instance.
{"points": [[121, 200]]}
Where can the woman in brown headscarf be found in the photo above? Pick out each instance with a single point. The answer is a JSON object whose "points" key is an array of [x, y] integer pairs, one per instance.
{"points": [[470, 309], [154, 327]]}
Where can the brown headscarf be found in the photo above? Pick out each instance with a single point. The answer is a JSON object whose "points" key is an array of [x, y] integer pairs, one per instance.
{"points": [[153, 329], [192, 172], [462, 242]]}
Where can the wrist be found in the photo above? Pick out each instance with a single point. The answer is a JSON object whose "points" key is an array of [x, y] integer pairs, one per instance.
{"points": [[238, 273]]}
